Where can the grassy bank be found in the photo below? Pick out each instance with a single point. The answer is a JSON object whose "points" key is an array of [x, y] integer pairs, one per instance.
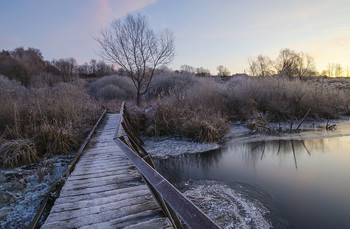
{"points": [[38, 122]]}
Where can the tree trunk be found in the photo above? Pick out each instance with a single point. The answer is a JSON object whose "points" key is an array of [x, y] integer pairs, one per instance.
{"points": [[138, 98]]}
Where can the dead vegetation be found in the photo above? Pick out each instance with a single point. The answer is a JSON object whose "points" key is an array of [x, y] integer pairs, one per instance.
{"points": [[18, 152], [56, 118], [43, 121], [205, 108]]}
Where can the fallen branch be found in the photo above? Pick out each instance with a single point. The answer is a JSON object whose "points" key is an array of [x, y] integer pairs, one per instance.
{"points": [[330, 126], [303, 119]]}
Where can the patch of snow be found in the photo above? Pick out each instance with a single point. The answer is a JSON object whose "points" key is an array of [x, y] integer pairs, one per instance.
{"points": [[163, 147]]}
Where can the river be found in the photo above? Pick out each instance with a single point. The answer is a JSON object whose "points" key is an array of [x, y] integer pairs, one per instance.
{"points": [[290, 181]]}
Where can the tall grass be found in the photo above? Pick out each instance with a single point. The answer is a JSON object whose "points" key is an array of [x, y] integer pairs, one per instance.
{"points": [[55, 119], [280, 99]]}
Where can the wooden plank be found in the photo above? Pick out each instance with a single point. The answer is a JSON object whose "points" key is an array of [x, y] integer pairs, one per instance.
{"points": [[151, 224], [86, 172], [88, 190], [84, 220], [127, 220], [100, 181], [97, 195], [101, 174], [135, 205], [122, 199]]}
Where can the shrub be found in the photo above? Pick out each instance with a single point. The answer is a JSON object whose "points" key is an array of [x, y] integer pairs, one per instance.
{"points": [[168, 83], [112, 87], [18, 152]]}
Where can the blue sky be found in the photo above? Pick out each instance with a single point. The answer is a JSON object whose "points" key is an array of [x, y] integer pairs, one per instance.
{"points": [[208, 33]]}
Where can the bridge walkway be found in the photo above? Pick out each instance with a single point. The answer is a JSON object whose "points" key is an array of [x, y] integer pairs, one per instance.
{"points": [[105, 190]]}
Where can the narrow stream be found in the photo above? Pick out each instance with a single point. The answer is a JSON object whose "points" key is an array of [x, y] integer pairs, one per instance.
{"points": [[259, 184]]}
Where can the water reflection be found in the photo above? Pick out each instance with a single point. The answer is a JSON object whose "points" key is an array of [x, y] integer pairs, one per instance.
{"points": [[251, 153], [308, 178], [175, 168]]}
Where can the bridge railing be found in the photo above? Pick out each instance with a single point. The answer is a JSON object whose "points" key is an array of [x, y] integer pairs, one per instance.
{"points": [[181, 212]]}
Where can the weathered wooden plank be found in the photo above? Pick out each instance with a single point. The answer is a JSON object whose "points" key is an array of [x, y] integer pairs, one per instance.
{"points": [[103, 160], [151, 224], [101, 181], [122, 199], [82, 171], [93, 179], [88, 190], [84, 220], [110, 164], [128, 220], [131, 208], [101, 174], [97, 195]]}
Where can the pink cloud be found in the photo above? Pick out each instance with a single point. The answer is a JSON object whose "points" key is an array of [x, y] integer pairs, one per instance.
{"points": [[104, 11]]}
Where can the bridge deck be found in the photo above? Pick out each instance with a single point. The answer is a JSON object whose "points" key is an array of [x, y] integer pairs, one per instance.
{"points": [[105, 190]]}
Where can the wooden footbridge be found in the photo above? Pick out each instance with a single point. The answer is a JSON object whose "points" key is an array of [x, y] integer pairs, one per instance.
{"points": [[113, 184]]}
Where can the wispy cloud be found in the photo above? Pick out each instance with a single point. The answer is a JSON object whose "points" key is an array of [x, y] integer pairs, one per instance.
{"points": [[91, 18], [104, 11], [9, 41]]}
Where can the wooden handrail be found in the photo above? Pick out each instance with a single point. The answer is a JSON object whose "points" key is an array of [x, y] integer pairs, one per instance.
{"points": [[181, 212]]}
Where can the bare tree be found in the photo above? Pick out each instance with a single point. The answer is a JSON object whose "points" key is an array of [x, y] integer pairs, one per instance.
{"points": [[202, 72], [334, 70], [338, 72], [305, 65], [262, 66], [187, 68], [293, 64], [286, 63], [67, 68], [135, 47], [21, 64], [223, 71]]}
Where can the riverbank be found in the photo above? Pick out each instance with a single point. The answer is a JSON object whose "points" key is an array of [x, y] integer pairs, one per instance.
{"points": [[175, 145]]}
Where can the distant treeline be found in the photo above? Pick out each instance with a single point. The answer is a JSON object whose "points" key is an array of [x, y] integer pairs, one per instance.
{"points": [[25, 65]]}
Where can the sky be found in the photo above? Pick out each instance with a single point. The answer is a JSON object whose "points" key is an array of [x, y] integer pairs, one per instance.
{"points": [[208, 33]]}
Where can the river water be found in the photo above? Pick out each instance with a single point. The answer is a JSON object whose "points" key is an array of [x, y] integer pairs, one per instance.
{"points": [[282, 182]]}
